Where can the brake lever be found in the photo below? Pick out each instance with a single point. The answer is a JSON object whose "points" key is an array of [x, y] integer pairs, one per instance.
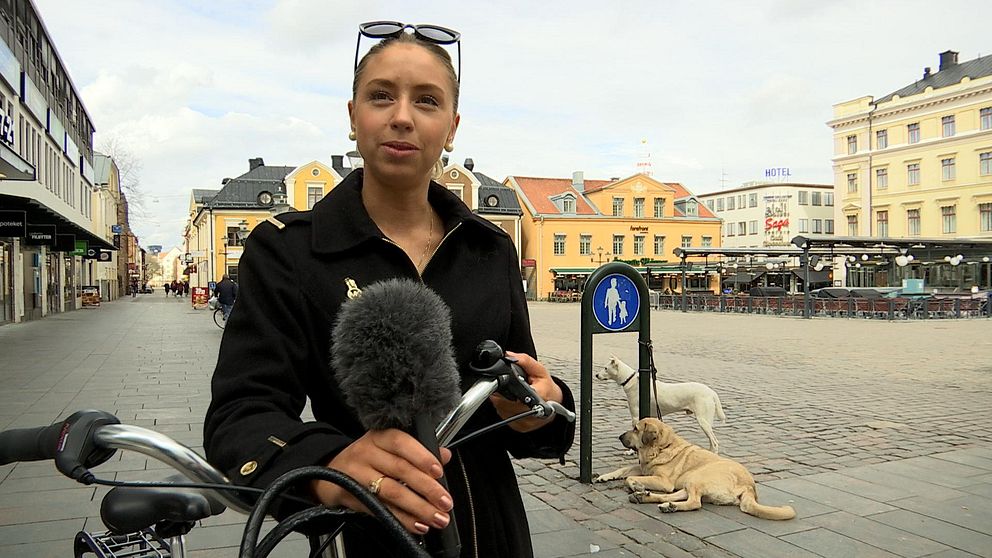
{"points": [[491, 361]]}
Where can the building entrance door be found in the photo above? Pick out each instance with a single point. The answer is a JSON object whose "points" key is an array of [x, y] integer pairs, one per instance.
{"points": [[6, 282], [32, 284], [54, 292]]}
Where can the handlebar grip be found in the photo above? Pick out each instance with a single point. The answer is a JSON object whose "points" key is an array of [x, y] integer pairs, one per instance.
{"points": [[560, 409], [29, 444]]}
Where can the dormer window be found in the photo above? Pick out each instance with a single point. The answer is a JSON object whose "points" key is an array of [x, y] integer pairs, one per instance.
{"points": [[691, 208], [568, 205]]}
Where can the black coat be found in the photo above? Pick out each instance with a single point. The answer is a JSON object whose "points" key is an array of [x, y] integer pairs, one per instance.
{"points": [[276, 346], [226, 291]]}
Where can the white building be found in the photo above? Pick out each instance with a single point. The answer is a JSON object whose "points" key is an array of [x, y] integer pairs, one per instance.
{"points": [[768, 214]]}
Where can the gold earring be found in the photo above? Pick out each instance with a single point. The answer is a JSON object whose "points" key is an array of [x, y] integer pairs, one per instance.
{"points": [[352, 136], [449, 147]]}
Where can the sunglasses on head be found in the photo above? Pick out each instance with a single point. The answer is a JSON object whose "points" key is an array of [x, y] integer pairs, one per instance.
{"points": [[425, 32]]}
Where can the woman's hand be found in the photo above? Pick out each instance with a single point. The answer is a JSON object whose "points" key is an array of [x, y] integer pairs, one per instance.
{"points": [[540, 380], [409, 473]]}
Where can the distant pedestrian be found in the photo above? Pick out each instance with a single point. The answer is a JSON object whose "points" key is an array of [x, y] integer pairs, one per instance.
{"points": [[166, 287], [134, 289], [185, 288], [226, 292]]}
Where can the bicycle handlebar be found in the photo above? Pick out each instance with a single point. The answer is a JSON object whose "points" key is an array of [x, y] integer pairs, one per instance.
{"points": [[29, 444]]}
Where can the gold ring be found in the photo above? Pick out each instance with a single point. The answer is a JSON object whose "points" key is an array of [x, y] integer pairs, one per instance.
{"points": [[375, 485]]}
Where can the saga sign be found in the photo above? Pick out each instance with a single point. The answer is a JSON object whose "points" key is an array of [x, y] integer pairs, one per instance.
{"points": [[615, 302]]}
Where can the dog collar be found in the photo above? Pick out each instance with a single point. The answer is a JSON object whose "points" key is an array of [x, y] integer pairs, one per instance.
{"points": [[627, 381]]}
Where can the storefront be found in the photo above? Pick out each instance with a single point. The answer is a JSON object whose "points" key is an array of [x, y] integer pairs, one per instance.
{"points": [[6, 281]]}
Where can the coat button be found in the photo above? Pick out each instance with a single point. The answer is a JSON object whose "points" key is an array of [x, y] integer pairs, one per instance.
{"points": [[248, 468]]}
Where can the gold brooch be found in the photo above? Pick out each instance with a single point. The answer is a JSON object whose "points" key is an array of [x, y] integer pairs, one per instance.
{"points": [[353, 290]]}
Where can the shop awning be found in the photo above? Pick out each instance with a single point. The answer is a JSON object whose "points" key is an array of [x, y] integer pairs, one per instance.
{"points": [[743, 278], [822, 276], [572, 270], [39, 214]]}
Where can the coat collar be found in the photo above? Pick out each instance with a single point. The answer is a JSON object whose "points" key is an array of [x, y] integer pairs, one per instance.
{"points": [[341, 222]]}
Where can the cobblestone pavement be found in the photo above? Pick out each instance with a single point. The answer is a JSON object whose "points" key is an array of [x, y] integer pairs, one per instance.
{"points": [[850, 421], [876, 432]]}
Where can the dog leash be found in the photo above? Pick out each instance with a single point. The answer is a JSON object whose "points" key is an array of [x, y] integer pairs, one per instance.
{"points": [[654, 376]]}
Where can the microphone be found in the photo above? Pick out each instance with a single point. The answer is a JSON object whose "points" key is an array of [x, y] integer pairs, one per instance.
{"points": [[392, 354]]}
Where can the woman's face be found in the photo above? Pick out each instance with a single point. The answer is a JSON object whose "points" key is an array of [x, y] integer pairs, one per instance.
{"points": [[403, 113]]}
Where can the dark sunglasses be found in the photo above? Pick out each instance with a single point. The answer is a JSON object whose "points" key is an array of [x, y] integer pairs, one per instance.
{"points": [[425, 32]]}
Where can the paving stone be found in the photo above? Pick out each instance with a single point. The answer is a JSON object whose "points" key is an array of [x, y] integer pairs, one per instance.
{"points": [[970, 511], [878, 534], [937, 530], [748, 543], [830, 497], [829, 544]]}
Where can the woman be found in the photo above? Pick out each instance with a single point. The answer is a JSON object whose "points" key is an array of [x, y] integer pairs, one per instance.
{"points": [[384, 221]]}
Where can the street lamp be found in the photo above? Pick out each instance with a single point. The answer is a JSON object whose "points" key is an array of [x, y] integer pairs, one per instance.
{"points": [[280, 203], [599, 256]]}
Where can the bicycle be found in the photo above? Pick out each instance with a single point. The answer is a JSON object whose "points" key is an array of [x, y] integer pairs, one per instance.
{"points": [[219, 317], [151, 520]]}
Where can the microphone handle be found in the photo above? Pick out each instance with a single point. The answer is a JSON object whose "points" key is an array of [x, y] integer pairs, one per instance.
{"points": [[440, 543]]}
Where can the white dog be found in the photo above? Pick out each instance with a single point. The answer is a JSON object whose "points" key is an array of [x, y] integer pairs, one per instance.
{"points": [[692, 397]]}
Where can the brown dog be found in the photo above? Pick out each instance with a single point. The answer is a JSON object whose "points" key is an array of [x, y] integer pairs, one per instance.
{"points": [[688, 475]]}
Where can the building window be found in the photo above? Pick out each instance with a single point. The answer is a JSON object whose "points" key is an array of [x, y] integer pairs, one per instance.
{"points": [[692, 208], [618, 207], [985, 115], [719, 204], [314, 193], [985, 163], [817, 226], [232, 237], [752, 200], [741, 228], [585, 244], [913, 174], [913, 130], [707, 241], [947, 126], [559, 244], [753, 227], [742, 201], [815, 198], [710, 204], [659, 207], [638, 245], [618, 245], [852, 145], [730, 203], [881, 178], [659, 245], [949, 218], [985, 217], [568, 205], [881, 139], [852, 182], [803, 197], [804, 225], [947, 169], [687, 242], [828, 225], [852, 225], [913, 222], [638, 207], [828, 199], [729, 229], [882, 223]]}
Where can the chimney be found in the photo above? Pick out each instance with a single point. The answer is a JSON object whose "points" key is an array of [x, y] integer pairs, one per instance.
{"points": [[469, 164], [337, 161], [578, 182], [225, 181], [926, 72], [255, 163], [445, 159], [948, 58]]}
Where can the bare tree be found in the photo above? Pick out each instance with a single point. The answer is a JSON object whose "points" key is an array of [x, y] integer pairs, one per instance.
{"points": [[129, 167]]}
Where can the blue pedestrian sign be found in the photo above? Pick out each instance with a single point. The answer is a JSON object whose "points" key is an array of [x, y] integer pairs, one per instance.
{"points": [[615, 302]]}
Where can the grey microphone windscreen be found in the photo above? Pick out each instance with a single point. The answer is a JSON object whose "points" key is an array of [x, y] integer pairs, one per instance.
{"points": [[392, 356]]}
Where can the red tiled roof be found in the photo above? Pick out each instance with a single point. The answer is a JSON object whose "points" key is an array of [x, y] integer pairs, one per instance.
{"points": [[539, 191]]}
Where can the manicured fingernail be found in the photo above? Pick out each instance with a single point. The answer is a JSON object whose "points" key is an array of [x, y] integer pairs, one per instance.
{"points": [[437, 471], [441, 520], [446, 503], [421, 528]]}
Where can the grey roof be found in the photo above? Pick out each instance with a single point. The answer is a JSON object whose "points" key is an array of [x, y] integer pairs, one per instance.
{"points": [[101, 168], [979, 67], [202, 195], [508, 202], [242, 192]]}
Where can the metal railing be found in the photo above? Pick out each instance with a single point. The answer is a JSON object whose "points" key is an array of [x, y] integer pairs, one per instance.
{"points": [[869, 308]]}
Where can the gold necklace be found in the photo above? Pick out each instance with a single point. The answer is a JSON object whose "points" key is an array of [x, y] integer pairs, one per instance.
{"points": [[430, 235]]}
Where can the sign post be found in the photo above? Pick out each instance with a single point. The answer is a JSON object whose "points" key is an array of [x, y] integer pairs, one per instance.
{"points": [[615, 300]]}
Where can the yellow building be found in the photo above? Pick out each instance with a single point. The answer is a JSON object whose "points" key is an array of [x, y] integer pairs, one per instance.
{"points": [[485, 196], [918, 162], [570, 227], [220, 220]]}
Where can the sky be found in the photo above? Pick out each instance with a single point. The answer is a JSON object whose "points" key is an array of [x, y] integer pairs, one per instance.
{"points": [[719, 91]]}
